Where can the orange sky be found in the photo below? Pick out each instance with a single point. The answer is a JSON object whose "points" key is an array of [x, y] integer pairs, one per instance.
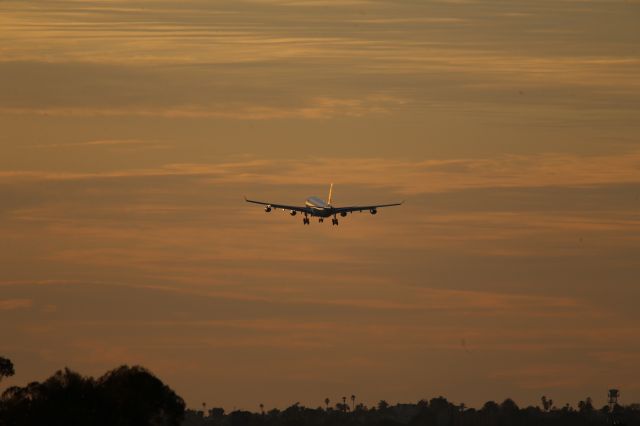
{"points": [[132, 129]]}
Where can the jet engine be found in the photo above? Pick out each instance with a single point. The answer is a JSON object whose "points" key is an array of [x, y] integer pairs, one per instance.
{"points": [[373, 211], [293, 212], [267, 209], [343, 214]]}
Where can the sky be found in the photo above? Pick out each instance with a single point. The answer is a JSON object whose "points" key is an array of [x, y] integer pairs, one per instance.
{"points": [[131, 130]]}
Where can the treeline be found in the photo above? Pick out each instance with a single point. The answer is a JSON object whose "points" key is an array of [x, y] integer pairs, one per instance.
{"points": [[125, 396], [133, 396], [435, 412]]}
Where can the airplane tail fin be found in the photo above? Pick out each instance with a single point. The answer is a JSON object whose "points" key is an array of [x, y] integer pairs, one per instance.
{"points": [[330, 194]]}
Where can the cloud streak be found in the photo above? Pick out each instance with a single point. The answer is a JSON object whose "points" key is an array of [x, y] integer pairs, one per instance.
{"points": [[317, 108], [12, 304], [404, 176]]}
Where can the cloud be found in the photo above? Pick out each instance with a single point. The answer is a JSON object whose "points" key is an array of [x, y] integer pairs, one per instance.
{"points": [[94, 143], [404, 176], [314, 3], [538, 377], [315, 108], [13, 304], [180, 327], [422, 299], [249, 61]]}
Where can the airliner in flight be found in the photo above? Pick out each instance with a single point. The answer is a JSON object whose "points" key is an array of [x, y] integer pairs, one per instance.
{"points": [[315, 207]]}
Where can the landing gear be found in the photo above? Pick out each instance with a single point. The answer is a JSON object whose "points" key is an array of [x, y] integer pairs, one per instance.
{"points": [[320, 220], [334, 221], [305, 220]]}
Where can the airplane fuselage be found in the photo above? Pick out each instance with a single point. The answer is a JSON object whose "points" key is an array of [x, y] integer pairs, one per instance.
{"points": [[318, 207]]}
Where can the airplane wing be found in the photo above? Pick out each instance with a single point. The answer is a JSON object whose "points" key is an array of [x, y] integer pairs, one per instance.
{"points": [[280, 206], [363, 208]]}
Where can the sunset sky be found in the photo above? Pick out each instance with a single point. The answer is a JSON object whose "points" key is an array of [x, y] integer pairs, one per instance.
{"points": [[131, 130]]}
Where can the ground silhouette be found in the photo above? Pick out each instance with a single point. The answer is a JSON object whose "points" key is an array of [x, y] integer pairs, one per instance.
{"points": [[133, 396], [435, 412]]}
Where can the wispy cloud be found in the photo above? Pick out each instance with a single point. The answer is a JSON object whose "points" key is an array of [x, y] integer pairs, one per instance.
{"points": [[12, 304], [316, 108], [94, 143], [404, 176]]}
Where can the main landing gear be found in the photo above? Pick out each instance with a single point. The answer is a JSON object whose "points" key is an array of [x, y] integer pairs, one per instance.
{"points": [[306, 220]]}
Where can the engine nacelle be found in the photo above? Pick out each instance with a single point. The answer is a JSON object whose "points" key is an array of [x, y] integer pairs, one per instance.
{"points": [[343, 214], [267, 209], [293, 212], [373, 211]]}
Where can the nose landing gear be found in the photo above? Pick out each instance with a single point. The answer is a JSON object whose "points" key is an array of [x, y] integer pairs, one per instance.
{"points": [[320, 220]]}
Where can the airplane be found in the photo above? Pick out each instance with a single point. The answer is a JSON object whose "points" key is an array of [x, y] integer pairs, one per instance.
{"points": [[314, 206]]}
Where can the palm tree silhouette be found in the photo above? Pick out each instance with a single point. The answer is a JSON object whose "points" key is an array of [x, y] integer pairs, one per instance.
{"points": [[326, 402], [546, 403], [353, 402]]}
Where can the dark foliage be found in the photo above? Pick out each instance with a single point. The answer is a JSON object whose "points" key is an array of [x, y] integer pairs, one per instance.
{"points": [[126, 396], [6, 368], [436, 412]]}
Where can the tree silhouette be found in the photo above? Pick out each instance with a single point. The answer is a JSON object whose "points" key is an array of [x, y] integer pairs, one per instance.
{"points": [[6, 368], [216, 413], [126, 396], [353, 402], [508, 405], [64, 398], [137, 397], [509, 411], [383, 405], [586, 406], [326, 403]]}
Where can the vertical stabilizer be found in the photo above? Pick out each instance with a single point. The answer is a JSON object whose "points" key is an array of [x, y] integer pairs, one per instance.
{"points": [[330, 194]]}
